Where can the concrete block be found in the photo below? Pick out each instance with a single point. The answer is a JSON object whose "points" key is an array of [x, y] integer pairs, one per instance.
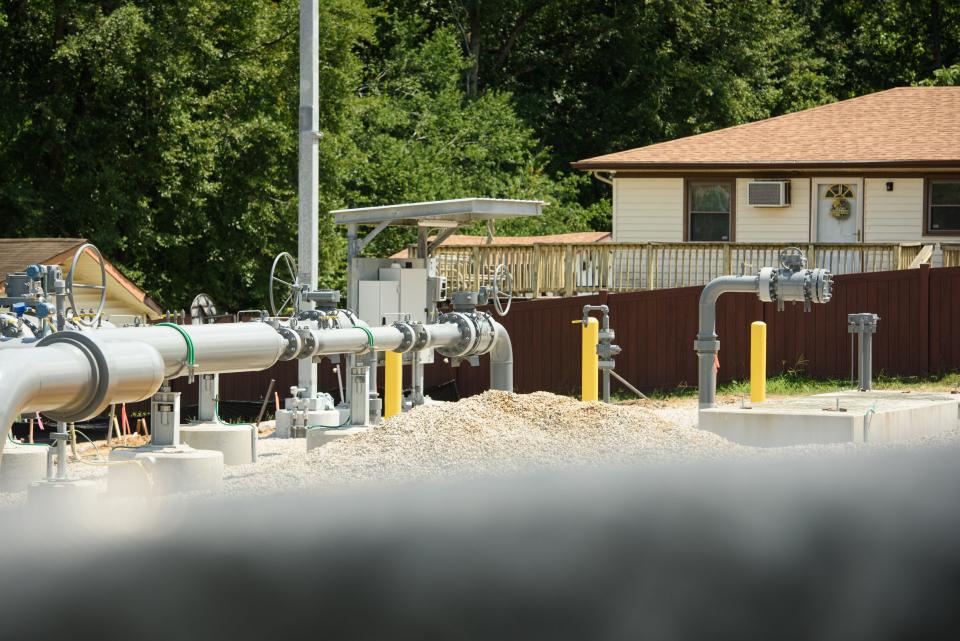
{"points": [[320, 436], [871, 417], [22, 465], [165, 470], [235, 442]]}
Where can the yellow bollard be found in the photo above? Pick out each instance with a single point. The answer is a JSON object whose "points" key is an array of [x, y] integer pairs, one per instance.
{"points": [[393, 384], [590, 361], [758, 362]]}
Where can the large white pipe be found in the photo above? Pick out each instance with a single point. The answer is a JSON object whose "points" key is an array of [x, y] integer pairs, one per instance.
{"points": [[218, 348], [72, 377]]}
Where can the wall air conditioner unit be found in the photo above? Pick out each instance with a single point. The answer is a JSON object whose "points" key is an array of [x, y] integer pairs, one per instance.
{"points": [[768, 193]]}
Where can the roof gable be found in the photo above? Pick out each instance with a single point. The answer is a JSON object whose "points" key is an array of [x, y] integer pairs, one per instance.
{"points": [[906, 126]]}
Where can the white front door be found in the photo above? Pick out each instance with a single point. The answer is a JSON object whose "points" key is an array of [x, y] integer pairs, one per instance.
{"points": [[838, 211]]}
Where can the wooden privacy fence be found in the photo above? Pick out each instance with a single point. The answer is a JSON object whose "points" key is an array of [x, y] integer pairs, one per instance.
{"points": [[569, 269], [918, 311]]}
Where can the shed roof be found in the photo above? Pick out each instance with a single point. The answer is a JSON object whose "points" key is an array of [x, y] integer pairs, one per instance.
{"points": [[901, 127], [18, 253]]}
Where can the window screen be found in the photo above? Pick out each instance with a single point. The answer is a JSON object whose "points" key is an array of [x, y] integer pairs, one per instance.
{"points": [[709, 206], [944, 199]]}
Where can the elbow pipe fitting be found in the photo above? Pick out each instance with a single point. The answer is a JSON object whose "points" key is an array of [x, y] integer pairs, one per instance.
{"points": [[72, 377], [132, 372], [501, 359]]}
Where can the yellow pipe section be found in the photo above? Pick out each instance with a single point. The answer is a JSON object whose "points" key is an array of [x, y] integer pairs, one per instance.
{"points": [[590, 361], [758, 362], [393, 384]]}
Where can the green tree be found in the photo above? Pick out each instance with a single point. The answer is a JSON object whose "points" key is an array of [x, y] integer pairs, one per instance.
{"points": [[166, 133]]}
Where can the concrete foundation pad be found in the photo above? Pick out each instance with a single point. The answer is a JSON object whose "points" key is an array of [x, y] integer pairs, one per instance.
{"points": [[320, 436], [165, 470], [74, 495], [22, 465], [871, 417], [235, 442]]}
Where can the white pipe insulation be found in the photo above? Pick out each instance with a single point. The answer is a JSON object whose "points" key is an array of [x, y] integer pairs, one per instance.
{"points": [[72, 377]]}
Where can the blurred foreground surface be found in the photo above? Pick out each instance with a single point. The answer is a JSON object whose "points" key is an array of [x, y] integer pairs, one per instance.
{"points": [[842, 548]]}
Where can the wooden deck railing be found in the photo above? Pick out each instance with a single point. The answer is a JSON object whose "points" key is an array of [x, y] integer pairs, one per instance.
{"points": [[566, 270]]}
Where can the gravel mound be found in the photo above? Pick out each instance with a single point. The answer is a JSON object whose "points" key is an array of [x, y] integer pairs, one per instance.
{"points": [[499, 432]]}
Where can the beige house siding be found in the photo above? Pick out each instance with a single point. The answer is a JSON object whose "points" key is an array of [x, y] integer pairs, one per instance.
{"points": [[893, 216], [647, 210], [774, 224]]}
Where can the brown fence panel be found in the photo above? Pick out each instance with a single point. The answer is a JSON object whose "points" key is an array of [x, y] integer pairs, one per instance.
{"points": [[944, 342]]}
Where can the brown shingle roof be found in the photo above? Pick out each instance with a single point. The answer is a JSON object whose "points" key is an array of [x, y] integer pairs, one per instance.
{"points": [[906, 126], [17, 253]]}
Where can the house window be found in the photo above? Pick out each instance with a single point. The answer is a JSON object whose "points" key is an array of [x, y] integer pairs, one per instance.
{"points": [[943, 200], [710, 206]]}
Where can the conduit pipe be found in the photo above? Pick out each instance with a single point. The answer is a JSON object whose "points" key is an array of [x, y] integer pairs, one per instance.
{"points": [[706, 344], [72, 377]]}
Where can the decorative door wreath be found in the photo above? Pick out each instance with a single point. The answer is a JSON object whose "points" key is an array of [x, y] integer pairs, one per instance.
{"points": [[841, 207]]}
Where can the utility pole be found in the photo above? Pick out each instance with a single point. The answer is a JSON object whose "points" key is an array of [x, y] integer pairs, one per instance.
{"points": [[308, 245]]}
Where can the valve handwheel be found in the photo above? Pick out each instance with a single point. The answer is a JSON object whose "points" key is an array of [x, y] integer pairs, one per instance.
{"points": [[289, 287], [792, 258], [502, 289], [94, 319]]}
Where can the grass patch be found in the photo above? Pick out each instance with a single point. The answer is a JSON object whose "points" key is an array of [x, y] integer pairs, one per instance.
{"points": [[795, 383]]}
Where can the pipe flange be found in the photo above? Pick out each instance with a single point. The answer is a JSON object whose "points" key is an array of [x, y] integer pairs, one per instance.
{"points": [[422, 336], [485, 333], [98, 368], [468, 335], [767, 285], [294, 343], [409, 337], [309, 341]]}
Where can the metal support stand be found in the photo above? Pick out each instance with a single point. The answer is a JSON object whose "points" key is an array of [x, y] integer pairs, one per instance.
{"points": [[359, 386], [864, 325], [165, 418], [207, 398]]}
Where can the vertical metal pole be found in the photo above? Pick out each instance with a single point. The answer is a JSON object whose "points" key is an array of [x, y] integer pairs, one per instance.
{"points": [[62, 451], [308, 246], [606, 386], [866, 361]]}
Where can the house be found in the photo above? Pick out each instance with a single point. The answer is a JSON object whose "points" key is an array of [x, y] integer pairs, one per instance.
{"points": [[880, 168], [125, 300]]}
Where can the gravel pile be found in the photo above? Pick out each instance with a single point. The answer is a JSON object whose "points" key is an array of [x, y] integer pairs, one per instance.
{"points": [[499, 432]]}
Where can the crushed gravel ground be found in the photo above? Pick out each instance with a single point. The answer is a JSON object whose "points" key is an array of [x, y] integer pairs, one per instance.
{"points": [[499, 433]]}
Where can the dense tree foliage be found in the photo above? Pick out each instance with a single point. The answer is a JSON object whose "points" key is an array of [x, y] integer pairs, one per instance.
{"points": [[166, 131]]}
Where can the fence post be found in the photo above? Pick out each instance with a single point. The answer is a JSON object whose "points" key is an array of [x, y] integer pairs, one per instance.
{"points": [[650, 251], [727, 259], [535, 266], [568, 278], [812, 255], [925, 319], [476, 268]]}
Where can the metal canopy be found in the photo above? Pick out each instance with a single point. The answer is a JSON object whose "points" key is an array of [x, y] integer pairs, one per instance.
{"points": [[462, 210]]}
